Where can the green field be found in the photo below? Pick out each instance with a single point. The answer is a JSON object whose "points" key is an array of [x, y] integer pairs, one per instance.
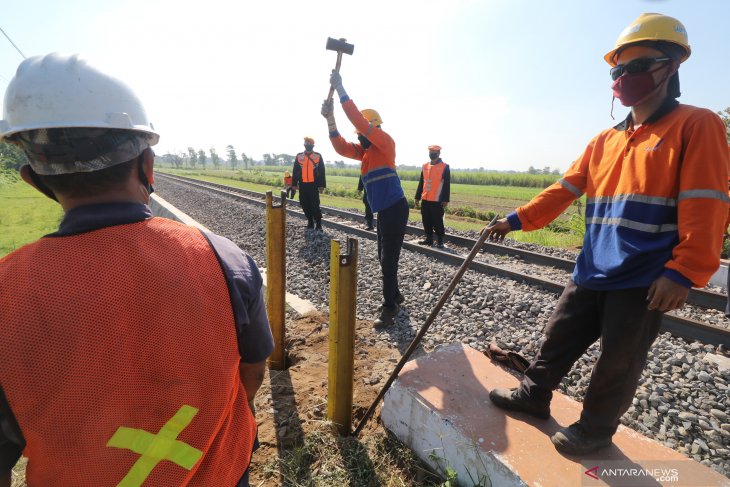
{"points": [[343, 194], [25, 215]]}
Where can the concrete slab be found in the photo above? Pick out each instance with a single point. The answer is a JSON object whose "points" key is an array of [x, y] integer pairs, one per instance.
{"points": [[440, 407], [163, 208], [719, 278]]}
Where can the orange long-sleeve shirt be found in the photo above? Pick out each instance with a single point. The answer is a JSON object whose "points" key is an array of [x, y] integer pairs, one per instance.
{"points": [[656, 200], [377, 170]]}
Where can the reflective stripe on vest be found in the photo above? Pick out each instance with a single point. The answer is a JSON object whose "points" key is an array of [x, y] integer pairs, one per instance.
{"points": [[119, 359], [308, 163], [433, 181]]}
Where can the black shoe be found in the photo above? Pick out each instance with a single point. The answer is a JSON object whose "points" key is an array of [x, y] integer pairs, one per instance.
{"points": [[428, 241], [387, 313], [575, 440], [511, 400], [319, 226], [400, 299], [440, 241], [310, 225], [369, 225]]}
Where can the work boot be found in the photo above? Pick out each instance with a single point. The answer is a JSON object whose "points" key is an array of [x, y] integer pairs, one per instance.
{"points": [[428, 241], [511, 400], [440, 241], [369, 225], [387, 313], [310, 224], [575, 440], [319, 226]]}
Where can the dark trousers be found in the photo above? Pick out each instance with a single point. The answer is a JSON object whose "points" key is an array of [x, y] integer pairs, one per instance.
{"points": [[309, 198], [290, 192], [432, 216], [368, 210], [391, 228], [626, 329], [727, 306]]}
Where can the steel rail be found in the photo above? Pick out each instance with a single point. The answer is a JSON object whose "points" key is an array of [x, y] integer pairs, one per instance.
{"points": [[686, 328], [698, 297]]}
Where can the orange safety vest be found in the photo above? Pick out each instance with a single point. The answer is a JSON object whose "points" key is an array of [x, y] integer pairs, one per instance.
{"points": [[287, 181], [433, 181], [119, 359], [308, 164]]}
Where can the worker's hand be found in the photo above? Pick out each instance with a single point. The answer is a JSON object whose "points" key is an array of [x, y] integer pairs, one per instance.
{"points": [[417, 203], [320, 189], [497, 230], [336, 79], [336, 82], [444, 204], [665, 295], [328, 109], [294, 188]]}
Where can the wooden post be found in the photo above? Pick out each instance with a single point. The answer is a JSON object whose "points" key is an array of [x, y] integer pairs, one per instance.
{"points": [[343, 299], [276, 277]]}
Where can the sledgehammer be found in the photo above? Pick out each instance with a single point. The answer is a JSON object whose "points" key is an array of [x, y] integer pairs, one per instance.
{"points": [[434, 312], [340, 46]]}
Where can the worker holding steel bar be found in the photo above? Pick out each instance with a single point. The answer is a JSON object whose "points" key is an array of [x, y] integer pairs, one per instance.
{"points": [[656, 201], [376, 151]]}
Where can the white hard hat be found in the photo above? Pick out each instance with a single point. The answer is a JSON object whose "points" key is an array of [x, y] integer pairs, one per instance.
{"points": [[65, 91]]}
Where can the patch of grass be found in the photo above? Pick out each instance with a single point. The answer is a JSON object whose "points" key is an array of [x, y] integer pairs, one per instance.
{"points": [[17, 475], [325, 459], [25, 215]]}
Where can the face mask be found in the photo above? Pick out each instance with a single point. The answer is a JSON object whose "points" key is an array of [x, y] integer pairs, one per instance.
{"points": [[363, 141], [308, 148], [433, 155], [630, 89]]}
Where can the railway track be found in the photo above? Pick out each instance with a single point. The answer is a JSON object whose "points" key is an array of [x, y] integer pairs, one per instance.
{"points": [[684, 327]]}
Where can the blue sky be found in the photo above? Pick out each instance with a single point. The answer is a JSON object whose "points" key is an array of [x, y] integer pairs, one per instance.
{"points": [[501, 84]]}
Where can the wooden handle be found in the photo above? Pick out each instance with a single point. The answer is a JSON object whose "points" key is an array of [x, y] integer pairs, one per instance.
{"points": [[337, 70]]}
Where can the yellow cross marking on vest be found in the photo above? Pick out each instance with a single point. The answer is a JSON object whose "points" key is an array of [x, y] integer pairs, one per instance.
{"points": [[155, 448]]}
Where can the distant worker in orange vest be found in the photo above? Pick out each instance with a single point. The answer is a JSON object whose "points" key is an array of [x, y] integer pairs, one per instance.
{"points": [[309, 178], [656, 202], [434, 188], [131, 347], [290, 192]]}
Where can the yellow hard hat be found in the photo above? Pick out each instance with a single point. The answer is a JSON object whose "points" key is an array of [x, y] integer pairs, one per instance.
{"points": [[652, 27], [372, 116], [287, 174]]}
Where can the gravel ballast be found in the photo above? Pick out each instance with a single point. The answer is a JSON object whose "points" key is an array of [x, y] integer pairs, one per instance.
{"points": [[682, 400]]}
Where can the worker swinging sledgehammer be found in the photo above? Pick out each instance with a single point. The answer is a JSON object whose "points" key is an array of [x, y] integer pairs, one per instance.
{"points": [[376, 151], [308, 175]]}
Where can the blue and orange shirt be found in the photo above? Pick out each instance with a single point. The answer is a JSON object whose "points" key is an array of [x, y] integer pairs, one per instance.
{"points": [[382, 184], [656, 200]]}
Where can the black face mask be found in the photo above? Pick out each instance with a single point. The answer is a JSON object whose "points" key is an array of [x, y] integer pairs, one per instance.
{"points": [[308, 148], [363, 141], [433, 156]]}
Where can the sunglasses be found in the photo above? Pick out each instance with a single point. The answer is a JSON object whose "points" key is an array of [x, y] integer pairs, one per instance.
{"points": [[639, 65]]}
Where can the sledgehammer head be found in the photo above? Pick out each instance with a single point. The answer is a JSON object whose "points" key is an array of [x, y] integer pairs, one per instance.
{"points": [[339, 45]]}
